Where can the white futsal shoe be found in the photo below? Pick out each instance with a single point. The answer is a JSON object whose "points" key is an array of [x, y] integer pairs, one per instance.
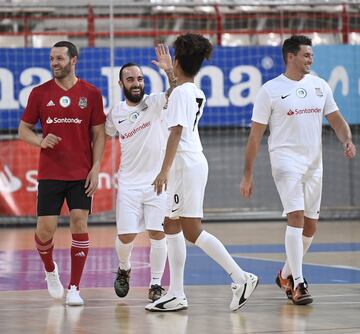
{"points": [[168, 303], [242, 292], [55, 288], [73, 297]]}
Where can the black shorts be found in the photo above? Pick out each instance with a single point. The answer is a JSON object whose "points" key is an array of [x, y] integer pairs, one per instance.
{"points": [[52, 193]]}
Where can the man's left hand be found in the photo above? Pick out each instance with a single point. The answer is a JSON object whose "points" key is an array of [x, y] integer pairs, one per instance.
{"points": [[349, 150], [91, 183]]}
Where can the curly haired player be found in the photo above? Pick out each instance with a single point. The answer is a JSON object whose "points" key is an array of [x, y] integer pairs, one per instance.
{"points": [[184, 172]]}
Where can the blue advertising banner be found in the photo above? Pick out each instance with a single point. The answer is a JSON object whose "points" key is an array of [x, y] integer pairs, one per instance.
{"points": [[230, 80], [340, 66]]}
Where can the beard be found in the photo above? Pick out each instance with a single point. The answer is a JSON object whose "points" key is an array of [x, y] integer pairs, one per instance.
{"points": [[62, 72], [134, 98]]}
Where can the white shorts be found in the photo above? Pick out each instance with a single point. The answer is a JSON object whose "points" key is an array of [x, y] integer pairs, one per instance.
{"points": [[300, 193], [140, 209], [187, 182]]}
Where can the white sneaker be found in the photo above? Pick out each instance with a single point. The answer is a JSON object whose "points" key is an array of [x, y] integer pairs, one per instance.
{"points": [[168, 303], [242, 292], [55, 288], [73, 297]]}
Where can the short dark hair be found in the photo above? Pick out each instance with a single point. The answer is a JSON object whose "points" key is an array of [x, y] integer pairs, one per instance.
{"points": [[72, 49], [125, 66], [293, 44], [190, 52]]}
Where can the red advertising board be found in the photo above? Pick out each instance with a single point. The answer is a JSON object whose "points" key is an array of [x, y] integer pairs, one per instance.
{"points": [[18, 173]]}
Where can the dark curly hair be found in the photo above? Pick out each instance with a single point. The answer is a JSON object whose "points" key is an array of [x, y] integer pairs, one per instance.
{"points": [[293, 43], [190, 52]]}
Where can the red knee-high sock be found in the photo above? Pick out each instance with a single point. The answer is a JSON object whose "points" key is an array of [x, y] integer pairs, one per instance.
{"points": [[45, 250], [79, 252]]}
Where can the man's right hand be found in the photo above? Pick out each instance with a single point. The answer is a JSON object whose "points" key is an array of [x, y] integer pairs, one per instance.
{"points": [[50, 141]]}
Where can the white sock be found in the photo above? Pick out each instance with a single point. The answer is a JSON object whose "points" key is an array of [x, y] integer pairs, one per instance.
{"points": [[123, 252], [176, 256], [158, 255], [217, 251], [285, 271], [294, 252], [306, 243]]}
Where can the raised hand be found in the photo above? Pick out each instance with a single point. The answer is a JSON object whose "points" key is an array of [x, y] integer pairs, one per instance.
{"points": [[163, 57]]}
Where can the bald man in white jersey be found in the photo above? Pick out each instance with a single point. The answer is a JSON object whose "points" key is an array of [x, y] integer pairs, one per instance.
{"points": [[142, 136], [293, 105]]}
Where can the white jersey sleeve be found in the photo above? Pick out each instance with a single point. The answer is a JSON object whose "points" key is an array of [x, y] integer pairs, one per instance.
{"points": [[157, 101], [110, 128], [330, 104], [177, 110], [262, 107], [185, 108]]}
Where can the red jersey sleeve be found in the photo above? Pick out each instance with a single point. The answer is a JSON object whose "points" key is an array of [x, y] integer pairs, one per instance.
{"points": [[97, 116], [32, 111]]}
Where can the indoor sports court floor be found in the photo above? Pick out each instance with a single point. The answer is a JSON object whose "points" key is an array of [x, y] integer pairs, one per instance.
{"points": [[332, 268]]}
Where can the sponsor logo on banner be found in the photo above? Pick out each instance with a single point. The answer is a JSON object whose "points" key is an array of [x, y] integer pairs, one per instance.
{"points": [[18, 179], [230, 87], [9, 183]]}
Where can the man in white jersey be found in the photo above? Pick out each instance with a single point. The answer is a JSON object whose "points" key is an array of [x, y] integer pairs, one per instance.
{"points": [[293, 105], [185, 171], [142, 136]]}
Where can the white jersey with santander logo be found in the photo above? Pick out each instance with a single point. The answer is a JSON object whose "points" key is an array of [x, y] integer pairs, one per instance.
{"points": [[294, 111], [142, 136]]}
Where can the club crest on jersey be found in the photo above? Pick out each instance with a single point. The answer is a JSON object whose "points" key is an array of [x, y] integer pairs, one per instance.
{"points": [[83, 102], [65, 101], [133, 116], [319, 92], [301, 92]]}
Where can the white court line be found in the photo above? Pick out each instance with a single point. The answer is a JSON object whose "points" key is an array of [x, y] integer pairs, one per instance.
{"points": [[254, 302], [135, 266], [308, 263]]}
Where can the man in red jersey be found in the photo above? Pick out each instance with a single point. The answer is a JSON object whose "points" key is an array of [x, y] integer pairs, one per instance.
{"points": [[71, 115]]}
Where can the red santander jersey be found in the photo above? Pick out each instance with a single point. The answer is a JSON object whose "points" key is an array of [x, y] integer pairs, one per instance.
{"points": [[68, 114]]}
